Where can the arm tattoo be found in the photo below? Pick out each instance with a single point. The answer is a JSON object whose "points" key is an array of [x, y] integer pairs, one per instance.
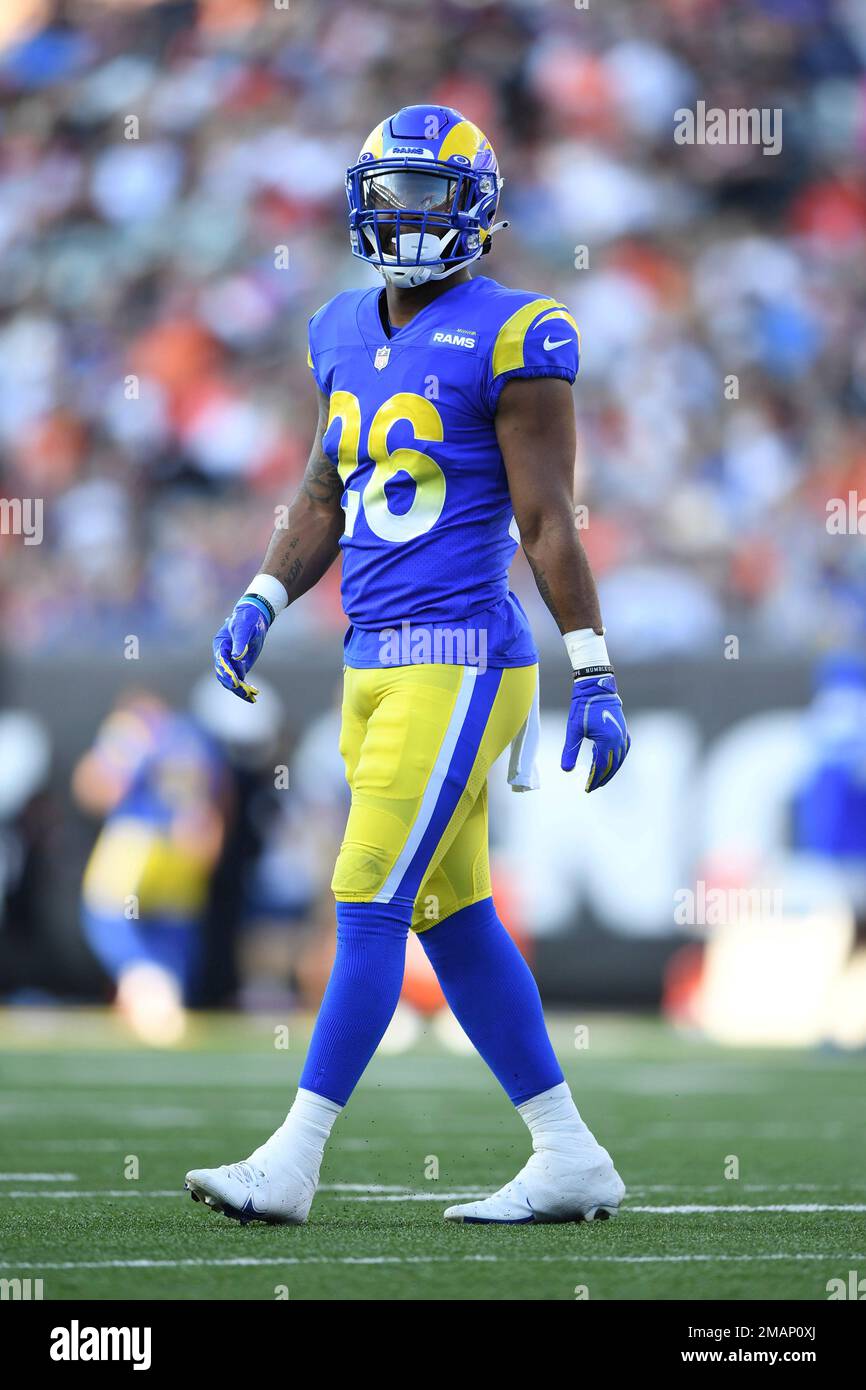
{"points": [[544, 589], [306, 545], [322, 483], [291, 573]]}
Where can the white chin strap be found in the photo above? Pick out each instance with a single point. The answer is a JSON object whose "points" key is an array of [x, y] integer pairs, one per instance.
{"points": [[414, 244]]}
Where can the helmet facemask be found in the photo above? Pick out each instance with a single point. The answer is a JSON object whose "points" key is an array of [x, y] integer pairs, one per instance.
{"points": [[418, 220], [412, 228]]}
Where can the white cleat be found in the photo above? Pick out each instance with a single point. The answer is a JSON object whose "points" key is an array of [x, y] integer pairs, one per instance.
{"points": [[245, 1192], [579, 1185]]}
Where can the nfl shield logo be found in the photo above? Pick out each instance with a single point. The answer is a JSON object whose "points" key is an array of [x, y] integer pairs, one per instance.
{"points": [[381, 358]]}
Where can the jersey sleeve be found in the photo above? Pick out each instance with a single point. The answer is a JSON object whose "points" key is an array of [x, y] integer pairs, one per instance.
{"points": [[311, 354], [539, 339], [330, 326]]}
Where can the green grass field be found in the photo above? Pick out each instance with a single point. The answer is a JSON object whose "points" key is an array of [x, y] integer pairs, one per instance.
{"points": [[81, 1107]]}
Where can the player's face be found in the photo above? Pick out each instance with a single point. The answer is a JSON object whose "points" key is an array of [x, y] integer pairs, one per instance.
{"points": [[407, 189]]}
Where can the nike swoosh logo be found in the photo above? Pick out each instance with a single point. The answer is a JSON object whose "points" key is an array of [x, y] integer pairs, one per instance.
{"points": [[606, 714], [549, 346]]}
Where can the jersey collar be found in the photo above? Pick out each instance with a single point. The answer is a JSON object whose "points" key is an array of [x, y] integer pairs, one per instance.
{"points": [[372, 329]]}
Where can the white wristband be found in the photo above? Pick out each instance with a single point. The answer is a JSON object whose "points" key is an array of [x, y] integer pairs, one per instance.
{"points": [[270, 588], [586, 648]]}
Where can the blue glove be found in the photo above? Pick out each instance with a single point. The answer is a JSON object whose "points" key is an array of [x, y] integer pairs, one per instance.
{"points": [[237, 645], [596, 713]]}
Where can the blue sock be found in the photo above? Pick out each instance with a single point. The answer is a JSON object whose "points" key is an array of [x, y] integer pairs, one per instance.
{"points": [[361, 997], [494, 997]]}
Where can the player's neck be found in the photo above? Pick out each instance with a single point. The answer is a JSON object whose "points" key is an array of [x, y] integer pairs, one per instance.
{"points": [[404, 304]]}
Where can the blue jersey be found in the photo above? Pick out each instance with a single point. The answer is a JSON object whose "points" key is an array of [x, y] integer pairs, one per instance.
{"points": [[428, 535]]}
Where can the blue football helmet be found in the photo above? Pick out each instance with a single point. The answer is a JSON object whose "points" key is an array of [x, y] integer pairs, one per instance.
{"points": [[423, 195]]}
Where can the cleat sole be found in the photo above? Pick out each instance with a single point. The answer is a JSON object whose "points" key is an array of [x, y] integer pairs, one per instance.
{"points": [[601, 1214], [223, 1209], [488, 1221], [494, 1221]]}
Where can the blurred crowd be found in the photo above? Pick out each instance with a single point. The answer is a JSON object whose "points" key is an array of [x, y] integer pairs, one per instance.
{"points": [[172, 211]]}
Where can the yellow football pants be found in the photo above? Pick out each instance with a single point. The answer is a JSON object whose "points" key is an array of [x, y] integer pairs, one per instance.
{"points": [[418, 743]]}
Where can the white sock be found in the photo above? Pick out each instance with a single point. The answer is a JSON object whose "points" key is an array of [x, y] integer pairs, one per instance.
{"points": [[552, 1118], [300, 1141]]}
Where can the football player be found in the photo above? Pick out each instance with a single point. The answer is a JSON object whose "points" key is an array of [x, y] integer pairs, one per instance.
{"points": [[445, 414]]}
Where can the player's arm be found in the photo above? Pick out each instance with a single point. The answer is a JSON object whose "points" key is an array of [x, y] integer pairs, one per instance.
{"points": [[298, 555], [535, 429], [536, 433], [300, 552]]}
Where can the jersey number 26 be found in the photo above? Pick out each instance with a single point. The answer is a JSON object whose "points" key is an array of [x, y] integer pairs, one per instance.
{"points": [[429, 480]]}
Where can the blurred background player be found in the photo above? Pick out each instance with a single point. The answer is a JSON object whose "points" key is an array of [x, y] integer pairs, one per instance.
{"points": [[265, 920], [829, 810], [160, 785], [29, 819]]}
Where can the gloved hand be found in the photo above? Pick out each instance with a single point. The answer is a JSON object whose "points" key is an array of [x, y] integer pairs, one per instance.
{"points": [[238, 643], [596, 713]]}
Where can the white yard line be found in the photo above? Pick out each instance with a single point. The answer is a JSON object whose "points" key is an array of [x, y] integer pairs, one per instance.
{"points": [[38, 1177], [145, 1116], [346, 1191], [644, 1190], [61, 1194], [260, 1261], [744, 1129], [692, 1209], [360, 1192], [635, 1189], [364, 1194], [112, 1145], [473, 1194], [684, 1209]]}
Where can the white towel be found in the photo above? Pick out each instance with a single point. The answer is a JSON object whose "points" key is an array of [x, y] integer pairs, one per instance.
{"points": [[523, 773]]}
